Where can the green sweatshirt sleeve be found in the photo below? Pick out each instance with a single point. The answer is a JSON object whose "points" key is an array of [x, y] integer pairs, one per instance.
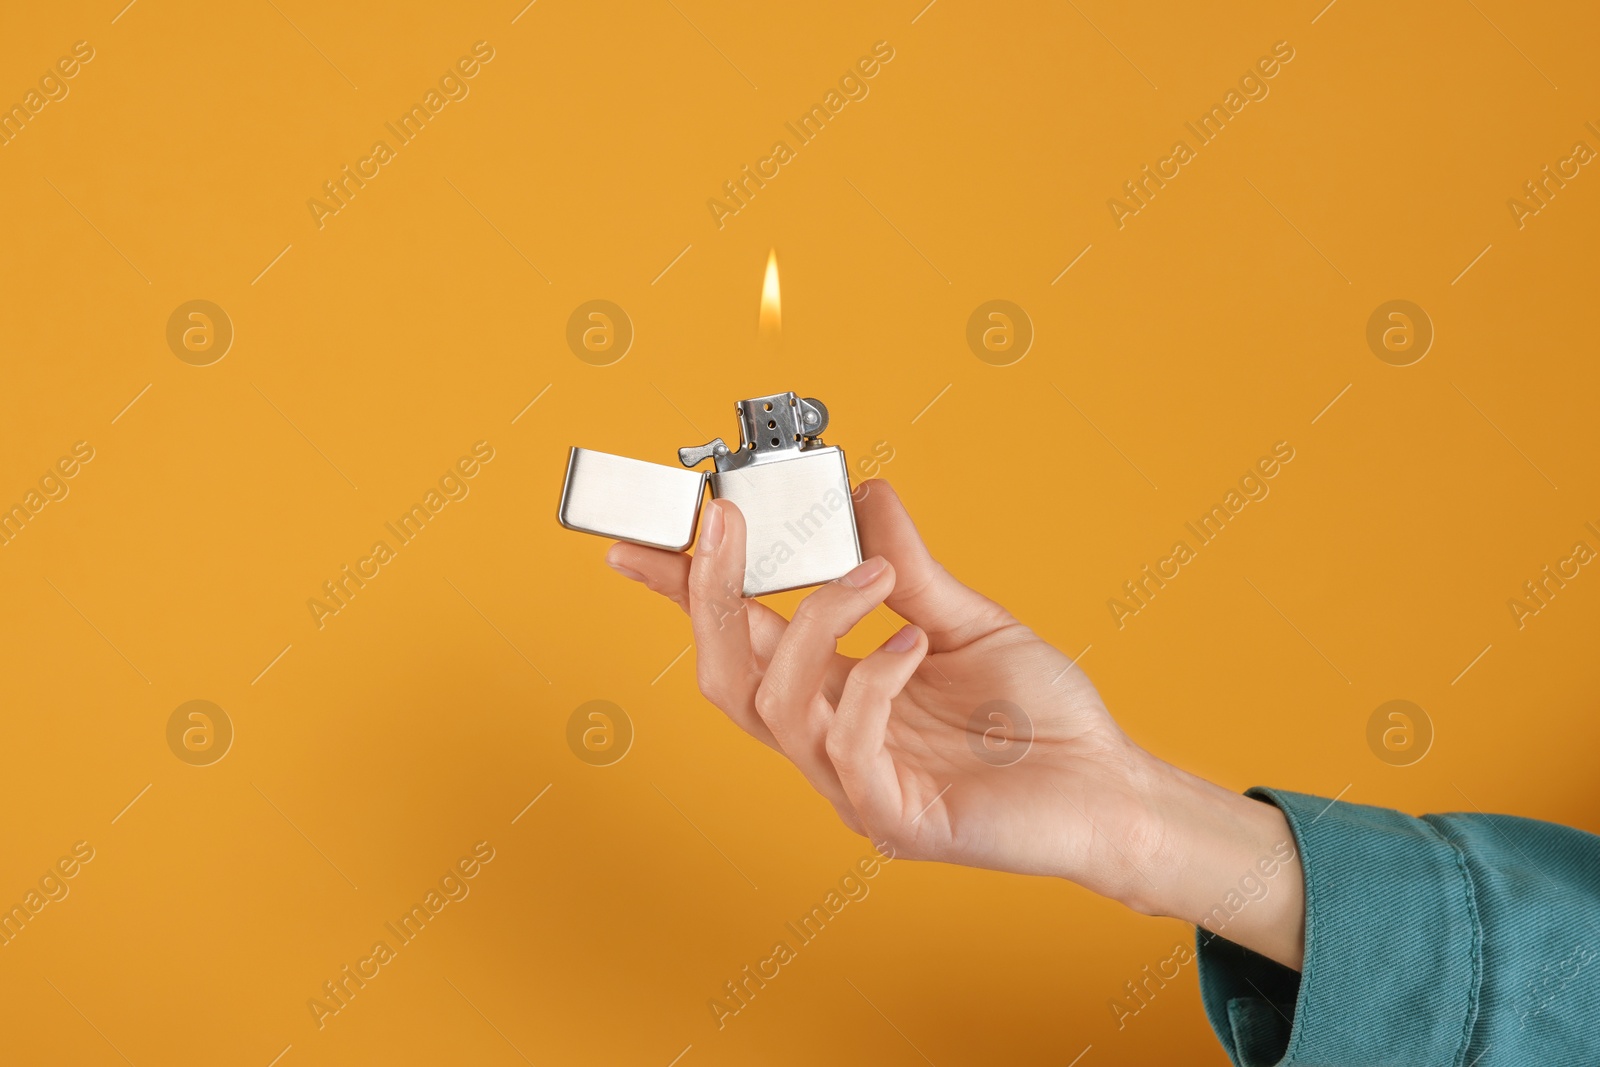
{"points": [[1466, 940]]}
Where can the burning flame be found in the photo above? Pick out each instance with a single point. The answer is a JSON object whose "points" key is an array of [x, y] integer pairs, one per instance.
{"points": [[771, 321]]}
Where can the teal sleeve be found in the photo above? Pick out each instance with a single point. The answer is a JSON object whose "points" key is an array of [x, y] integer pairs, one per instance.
{"points": [[1462, 940]]}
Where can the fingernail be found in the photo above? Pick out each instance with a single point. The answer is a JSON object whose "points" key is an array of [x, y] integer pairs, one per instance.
{"points": [[626, 572], [864, 574], [711, 536], [904, 639]]}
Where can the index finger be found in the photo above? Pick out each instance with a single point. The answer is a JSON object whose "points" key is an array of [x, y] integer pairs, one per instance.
{"points": [[666, 572], [728, 671]]}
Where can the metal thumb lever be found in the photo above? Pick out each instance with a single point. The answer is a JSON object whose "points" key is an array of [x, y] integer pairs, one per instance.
{"points": [[689, 457]]}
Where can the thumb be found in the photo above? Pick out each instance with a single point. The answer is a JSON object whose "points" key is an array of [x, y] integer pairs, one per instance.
{"points": [[951, 614]]}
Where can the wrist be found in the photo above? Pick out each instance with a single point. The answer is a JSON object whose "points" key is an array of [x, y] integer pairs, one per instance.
{"points": [[1222, 861]]}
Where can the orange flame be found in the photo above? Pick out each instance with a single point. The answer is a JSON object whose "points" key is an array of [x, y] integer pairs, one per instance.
{"points": [[771, 322]]}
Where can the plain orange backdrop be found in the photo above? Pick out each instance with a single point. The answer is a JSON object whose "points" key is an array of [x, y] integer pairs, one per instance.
{"points": [[368, 355]]}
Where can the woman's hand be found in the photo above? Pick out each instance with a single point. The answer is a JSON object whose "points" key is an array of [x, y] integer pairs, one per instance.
{"points": [[964, 737]]}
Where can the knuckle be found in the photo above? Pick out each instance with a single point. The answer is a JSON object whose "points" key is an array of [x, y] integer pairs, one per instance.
{"points": [[699, 579], [809, 612], [850, 817], [866, 679], [710, 686], [828, 610], [838, 747], [768, 703], [892, 843]]}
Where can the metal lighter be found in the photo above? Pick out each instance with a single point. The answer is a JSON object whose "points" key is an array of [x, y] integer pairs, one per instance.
{"points": [[792, 489]]}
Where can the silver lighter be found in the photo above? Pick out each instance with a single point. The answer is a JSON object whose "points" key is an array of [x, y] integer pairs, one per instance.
{"points": [[792, 489]]}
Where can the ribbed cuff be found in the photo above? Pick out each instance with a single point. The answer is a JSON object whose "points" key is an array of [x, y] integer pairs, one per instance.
{"points": [[1393, 949]]}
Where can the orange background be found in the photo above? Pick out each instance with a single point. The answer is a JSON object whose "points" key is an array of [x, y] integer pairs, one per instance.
{"points": [[370, 354]]}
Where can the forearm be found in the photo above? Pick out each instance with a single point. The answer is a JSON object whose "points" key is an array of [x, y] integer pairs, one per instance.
{"points": [[1222, 861]]}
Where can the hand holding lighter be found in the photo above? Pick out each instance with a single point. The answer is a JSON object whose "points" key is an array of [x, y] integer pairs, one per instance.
{"points": [[792, 489]]}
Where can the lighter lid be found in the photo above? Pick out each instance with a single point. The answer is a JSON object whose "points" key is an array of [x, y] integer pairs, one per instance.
{"points": [[631, 500]]}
